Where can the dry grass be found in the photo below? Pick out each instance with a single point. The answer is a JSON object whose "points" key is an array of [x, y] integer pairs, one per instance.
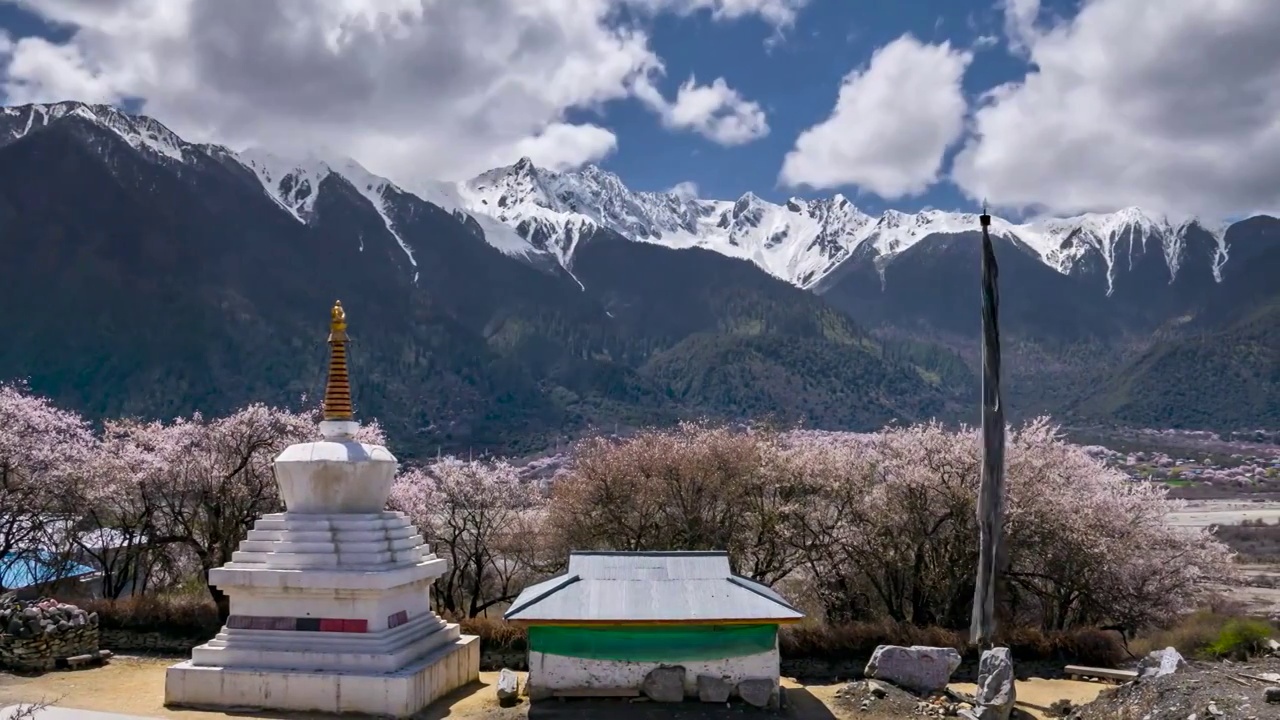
{"points": [[1256, 541], [179, 616], [1219, 630]]}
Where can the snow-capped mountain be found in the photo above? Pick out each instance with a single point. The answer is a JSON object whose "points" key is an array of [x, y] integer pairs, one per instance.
{"points": [[541, 215], [801, 241]]}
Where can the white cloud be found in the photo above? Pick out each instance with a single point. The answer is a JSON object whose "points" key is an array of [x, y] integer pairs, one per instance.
{"points": [[413, 89], [891, 126], [1020, 22], [1173, 106], [780, 13], [687, 190], [715, 111], [40, 71], [562, 146]]}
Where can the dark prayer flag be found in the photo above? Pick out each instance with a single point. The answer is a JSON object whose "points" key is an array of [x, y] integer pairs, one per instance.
{"points": [[991, 493]]}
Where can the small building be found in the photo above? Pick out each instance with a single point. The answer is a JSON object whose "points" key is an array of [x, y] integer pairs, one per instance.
{"points": [[613, 617], [38, 574]]}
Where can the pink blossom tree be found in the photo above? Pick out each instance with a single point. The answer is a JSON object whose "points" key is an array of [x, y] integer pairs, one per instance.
{"points": [[695, 487], [116, 518], [216, 479], [42, 448], [476, 514], [884, 524]]}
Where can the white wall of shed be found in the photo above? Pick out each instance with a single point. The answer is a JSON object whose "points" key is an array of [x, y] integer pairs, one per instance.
{"points": [[558, 672]]}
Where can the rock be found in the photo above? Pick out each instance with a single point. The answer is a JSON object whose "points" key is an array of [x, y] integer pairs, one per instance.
{"points": [[508, 688], [996, 693], [1272, 695], [1213, 710], [664, 684], [714, 689], [876, 690], [760, 692], [1159, 663], [918, 668]]}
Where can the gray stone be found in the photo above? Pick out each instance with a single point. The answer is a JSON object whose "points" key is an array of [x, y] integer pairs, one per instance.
{"points": [[876, 690], [997, 692], [664, 684], [760, 692], [508, 687], [1272, 695], [918, 668], [714, 689], [1159, 663]]}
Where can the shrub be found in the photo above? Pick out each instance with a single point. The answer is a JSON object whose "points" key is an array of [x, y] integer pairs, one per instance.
{"points": [[495, 634], [1240, 639], [176, 616]]}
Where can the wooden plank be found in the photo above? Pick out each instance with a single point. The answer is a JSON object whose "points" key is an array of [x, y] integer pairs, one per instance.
{"points": [[1080, 671], [596, 692]]}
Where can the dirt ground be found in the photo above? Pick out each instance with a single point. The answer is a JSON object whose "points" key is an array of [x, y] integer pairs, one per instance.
{"points": [[136, 686], [1206, 690]]}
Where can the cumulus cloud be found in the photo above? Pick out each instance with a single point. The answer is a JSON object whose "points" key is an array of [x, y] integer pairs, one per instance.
{"points": [[715, 111], [780, 13], [414, 89], [892, 123], [1186, 120]]}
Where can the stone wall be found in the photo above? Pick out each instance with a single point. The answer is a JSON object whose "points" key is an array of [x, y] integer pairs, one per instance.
{"points": [[34, 636], [138, 641]]}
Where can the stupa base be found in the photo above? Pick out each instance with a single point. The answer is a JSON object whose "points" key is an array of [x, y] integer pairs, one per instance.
{"points": [[399, 693]]}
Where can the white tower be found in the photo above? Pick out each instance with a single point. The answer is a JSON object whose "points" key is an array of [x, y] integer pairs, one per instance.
{"points": [[330, 607]]}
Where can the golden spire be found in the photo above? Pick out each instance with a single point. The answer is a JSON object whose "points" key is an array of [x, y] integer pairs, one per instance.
{"points": [[337, 392]]}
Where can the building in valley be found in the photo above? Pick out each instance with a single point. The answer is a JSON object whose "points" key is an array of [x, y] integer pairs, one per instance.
{"points": [[614, 618]]}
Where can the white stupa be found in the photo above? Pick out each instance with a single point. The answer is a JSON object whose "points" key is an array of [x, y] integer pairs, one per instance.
{"points": [[330, 603]]}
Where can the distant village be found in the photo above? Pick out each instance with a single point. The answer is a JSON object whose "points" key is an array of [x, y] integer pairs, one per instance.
{"points": [[1239, 468]]}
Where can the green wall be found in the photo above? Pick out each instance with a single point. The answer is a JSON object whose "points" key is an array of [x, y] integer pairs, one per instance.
{"points": [[658, 643]]}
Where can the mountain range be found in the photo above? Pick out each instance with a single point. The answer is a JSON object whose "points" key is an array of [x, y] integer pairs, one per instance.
{"points": [[159, 277]]}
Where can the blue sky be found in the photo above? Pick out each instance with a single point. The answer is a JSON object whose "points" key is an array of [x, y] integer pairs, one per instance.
{"points": [[796, 81], [1087, 119]]}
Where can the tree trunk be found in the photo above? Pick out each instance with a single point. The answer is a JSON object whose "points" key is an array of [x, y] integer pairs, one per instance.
{"points": [[220, 599]]}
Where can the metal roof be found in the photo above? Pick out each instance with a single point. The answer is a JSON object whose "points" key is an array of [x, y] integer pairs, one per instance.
{"points": [[649, 587]]}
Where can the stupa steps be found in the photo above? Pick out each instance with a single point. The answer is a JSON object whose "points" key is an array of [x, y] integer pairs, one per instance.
{"points": [[406, 533], [263, 577], [383, 651], [291, 544], [368, 642], [340, 559], [333, 521]]}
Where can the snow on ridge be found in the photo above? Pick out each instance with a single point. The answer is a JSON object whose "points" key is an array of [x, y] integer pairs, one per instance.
{"points": [[528, 212], [800, 241], [139, 131], [295, 183]]}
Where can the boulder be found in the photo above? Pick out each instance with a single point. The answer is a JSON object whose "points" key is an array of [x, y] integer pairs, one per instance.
{"points": [[714, 689], [508, 688], [996, 693], [1272, 695], [760, 692], [1159, 663], [918, 668], [664, 684]]}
